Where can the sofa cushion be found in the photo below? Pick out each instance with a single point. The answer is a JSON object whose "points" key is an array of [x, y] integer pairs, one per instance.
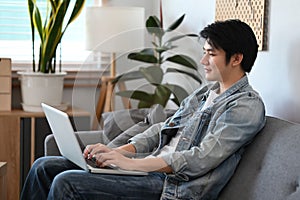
{"points": [[116, 122], [270, 166], [123, 137]]}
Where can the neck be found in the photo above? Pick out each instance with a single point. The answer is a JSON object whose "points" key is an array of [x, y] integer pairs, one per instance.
{"points": [[227, 83]]}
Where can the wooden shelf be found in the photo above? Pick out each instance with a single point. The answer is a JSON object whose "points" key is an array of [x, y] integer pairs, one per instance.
{"points": [[21, 113], [10, 143]]}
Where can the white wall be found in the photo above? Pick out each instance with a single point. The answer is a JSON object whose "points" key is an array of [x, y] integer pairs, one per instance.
{"points": [[196, 17], [275, 74]]}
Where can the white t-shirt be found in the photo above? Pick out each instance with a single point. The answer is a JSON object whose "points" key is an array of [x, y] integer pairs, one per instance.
{"points": [[169, 148], [209, 101]]}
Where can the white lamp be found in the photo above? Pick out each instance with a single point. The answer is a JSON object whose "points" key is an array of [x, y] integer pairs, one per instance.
{"points": [[112, 30]]}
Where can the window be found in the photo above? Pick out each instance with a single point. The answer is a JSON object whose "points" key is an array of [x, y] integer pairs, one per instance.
{"points": [[15, 33]]}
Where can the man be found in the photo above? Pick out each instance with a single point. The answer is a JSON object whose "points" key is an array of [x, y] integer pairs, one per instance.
{"points": [[194, 152]]}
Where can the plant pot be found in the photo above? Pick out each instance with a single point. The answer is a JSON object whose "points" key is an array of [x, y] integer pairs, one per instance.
{"points": [[37, 88]]}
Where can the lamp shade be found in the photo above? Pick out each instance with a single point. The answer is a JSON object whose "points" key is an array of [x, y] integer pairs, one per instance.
{"points": [[114, 29]]}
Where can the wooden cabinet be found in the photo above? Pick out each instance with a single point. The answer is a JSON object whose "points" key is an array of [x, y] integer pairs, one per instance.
{"points": [[10, 153], [3, 191], [19, 141]]}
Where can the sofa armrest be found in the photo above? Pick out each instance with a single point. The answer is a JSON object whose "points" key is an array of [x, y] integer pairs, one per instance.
{"points": [[86, 137]]}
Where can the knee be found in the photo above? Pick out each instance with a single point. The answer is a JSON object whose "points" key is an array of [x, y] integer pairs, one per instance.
{"points": [[45, 166], [61, 186], [40, 163], [59, 182], [43, 163]]}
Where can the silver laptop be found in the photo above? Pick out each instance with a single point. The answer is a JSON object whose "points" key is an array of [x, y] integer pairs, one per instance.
{"points": [[68, 144]]}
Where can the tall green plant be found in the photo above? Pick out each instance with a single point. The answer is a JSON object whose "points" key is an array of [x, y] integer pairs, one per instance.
{"points": [[51, 30], [156, 56]]}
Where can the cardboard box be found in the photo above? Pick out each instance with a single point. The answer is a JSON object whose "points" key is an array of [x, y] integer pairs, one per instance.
{"points": [[5, 84], [5, 67], [5, 102]]}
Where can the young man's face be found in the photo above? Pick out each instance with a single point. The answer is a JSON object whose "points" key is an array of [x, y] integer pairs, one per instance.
{"points": [[214, 63]]}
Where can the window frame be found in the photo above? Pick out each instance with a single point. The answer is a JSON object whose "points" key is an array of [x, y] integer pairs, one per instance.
{"points": [[73, 56]]}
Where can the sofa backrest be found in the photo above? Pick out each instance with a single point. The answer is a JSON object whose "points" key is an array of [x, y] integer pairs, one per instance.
{"points": [[270, 166]]}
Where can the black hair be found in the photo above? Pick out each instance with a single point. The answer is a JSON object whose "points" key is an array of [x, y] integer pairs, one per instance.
{"points": [[233, 36]]}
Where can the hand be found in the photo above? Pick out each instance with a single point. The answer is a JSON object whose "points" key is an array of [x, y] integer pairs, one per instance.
{"points": [[113, 158], [105, 156], [91, 150]]}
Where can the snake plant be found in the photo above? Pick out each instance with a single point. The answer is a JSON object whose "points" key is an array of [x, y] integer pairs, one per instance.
{"points": [[156, 56], [50, 30]]}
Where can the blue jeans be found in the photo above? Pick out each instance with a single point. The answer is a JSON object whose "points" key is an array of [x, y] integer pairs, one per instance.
{"points": [[57, 178]]}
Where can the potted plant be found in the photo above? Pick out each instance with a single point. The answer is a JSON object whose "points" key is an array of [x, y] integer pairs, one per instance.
{"points": [[159, 57], [45, 83]]}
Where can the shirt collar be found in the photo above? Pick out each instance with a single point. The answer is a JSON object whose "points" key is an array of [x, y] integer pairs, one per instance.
{"points": [[235, 87]]}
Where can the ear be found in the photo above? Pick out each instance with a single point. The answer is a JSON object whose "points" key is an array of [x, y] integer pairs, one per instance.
{"points": [[237, 59]]}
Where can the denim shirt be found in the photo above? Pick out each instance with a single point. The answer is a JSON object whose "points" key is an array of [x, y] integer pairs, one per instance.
{"points": [[211, 141]]}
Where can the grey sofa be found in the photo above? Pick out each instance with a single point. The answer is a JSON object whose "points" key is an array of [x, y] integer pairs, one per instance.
{"points": [[269, 169]]}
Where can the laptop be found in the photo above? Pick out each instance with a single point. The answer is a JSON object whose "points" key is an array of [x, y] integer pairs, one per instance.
{"points": [[69, 146]]}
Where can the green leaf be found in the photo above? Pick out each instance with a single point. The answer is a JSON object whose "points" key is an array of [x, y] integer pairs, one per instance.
{"points": [[175, 38], [145, 99], [76, 10], [161, 95], [148, 51], [153, 26], [179, 92], [132, 75], [162, 49], [55, 32], [152, 74], [30, 9], [154, 44], [140, 56], [176, 23], [145, 104], [183, 60], [135, 94], [153, 22], [54, 5], [37, 21], [197, 78]]}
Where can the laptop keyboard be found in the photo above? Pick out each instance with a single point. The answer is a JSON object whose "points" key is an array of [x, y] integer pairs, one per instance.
{"points": [[91, 162]]}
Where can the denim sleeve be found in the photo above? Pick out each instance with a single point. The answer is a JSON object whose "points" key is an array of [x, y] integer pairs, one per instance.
{"points": [[230, 128], [148, 140]]}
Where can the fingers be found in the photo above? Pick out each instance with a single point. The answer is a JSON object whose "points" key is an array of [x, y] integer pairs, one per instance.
{"points": [[106, 159], [103, 155], [87, 151], [91, 150], [99, 148]]}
